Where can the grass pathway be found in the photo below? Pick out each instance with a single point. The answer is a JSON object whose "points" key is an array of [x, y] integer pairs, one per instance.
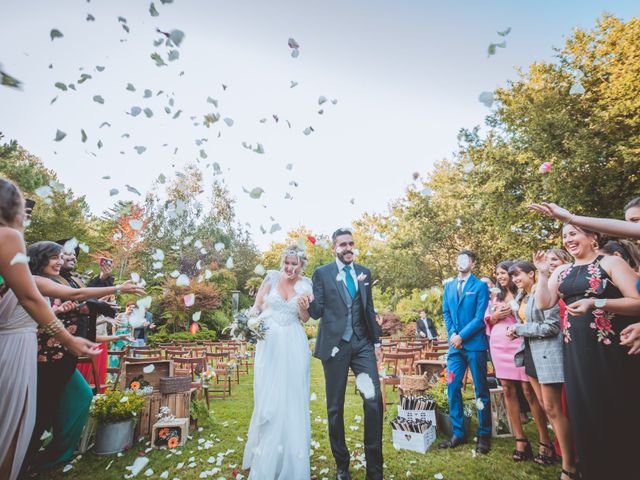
{"points": [[200, 454]]}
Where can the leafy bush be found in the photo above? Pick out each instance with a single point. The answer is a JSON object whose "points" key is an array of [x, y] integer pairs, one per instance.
{"points": [[390, 324], [174, 310], [162, 336], [440, 395], [115, 406]]}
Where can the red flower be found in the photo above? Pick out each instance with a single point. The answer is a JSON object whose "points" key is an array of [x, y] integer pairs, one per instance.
{"points": [[603, 323], [450, 377], [594, 282], [311, 239]]}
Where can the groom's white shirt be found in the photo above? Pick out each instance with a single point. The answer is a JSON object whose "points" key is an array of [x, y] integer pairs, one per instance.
{"points": [[352, 273]]}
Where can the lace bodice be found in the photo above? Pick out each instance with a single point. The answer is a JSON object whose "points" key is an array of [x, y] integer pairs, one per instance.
{"points": [[279, 310]]}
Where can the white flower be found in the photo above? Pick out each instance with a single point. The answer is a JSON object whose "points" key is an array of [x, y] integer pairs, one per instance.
{"points": [[253, 323]]}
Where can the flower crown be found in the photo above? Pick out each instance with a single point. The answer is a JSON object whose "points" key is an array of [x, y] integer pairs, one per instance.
{"points": [[289, 252]]}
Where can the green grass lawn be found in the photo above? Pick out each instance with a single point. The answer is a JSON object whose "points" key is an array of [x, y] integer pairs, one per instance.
{"points": [[229, 434]]}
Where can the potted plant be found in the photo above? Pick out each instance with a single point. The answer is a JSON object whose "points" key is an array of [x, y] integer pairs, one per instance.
{"points": [[115, 413], [440, 395]]}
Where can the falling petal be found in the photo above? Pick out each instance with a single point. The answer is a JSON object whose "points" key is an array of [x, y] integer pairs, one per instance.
{"points": [[228, 121], [295, 52], [576, 89], [61, 86], [19, 258], [84, 77], [148, 112], [67, 467], [147, 93], [545, 167], [259, 270], [182, 280], [293, 84], [479, 404], [229, 263], [55, 33], [504, 33], [83, 135], [218, 247], [307, 131], [100, 68], [155, 56], [486, 98], [322, 99], [135, 111], [334, 101], [135, 224], [59, 135], [196, 316], [98, 99], [90, 18], [173, 55], [189, 299], [84, 247], [275, 228], [176, 37], [152, 10], [256, 193], [149, 368], [292, 43], [113, 191], [140, 149], [365, 385]]}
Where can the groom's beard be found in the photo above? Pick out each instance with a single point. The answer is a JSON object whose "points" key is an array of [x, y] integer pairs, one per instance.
{"points": [[342, 259]]}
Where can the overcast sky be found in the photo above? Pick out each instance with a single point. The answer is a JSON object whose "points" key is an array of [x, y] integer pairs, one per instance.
{"points": [[406, 76]]}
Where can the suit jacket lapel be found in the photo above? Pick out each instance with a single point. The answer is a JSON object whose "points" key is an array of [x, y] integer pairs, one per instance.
{"points": [[340, 285], [465, 287]]}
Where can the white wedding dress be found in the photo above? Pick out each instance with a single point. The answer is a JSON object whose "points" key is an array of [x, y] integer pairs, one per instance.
{"points": [[279, 437]]}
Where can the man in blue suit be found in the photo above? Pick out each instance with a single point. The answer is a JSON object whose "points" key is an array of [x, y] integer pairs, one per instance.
{"points": [[463, 307]]}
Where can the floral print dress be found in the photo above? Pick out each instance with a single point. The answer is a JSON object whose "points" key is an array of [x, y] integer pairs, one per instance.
{"points": [[601, 379]]}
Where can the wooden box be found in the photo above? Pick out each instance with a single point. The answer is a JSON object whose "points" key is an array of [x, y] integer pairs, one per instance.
{"points": [[176, 426], [131, 370], [178, 403], [416, 442]]}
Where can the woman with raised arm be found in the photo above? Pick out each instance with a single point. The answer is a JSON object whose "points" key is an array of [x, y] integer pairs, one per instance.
{"points": [[55, 366], [603, 396], [22, 310]]}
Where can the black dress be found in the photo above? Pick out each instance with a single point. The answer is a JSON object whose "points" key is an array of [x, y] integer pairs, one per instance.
{"points": [[602, 381]]}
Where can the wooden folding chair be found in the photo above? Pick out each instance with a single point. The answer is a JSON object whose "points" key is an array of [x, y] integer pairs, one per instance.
{"points": [[176, 353], [142, 359], [146, 352], [397, 363], [222, 375]]}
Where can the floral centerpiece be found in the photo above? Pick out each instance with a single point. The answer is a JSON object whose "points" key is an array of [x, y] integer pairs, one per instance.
{"points": [[115, 413], [248, 326], [206, 377], [139, 384]]}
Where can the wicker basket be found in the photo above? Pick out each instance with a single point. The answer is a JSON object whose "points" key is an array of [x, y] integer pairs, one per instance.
{"points": [[410, 384], [174, 384]]}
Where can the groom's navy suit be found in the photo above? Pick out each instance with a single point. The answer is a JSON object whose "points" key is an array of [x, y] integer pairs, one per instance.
{"points": [[346, 338], [464, 315]]}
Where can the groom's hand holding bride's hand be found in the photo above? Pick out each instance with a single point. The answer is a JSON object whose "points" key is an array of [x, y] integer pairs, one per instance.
{"points": [[304, 301]]}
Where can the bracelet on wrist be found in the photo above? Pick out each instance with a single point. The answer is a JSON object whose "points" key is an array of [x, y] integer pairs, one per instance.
{"points": [[53, 328], [571, 218]]}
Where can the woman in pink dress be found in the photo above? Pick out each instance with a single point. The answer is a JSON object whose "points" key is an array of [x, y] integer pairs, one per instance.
{"points": [[500, 316]]}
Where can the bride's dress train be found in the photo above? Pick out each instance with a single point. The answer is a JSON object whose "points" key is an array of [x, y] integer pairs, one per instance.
{"points": [[279, 435]]}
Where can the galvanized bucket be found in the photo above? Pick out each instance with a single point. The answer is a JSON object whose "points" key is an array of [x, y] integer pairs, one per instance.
{"points": [[113, 437]]}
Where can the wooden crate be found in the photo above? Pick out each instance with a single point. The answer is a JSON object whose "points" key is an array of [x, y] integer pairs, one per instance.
{"points": [[179, 404], [163, 368], [182, 424], [500, 421]]}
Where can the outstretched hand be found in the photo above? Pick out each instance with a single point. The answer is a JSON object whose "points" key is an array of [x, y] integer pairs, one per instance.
{"points": [[551, 210], [541, 263], [630, 337]]}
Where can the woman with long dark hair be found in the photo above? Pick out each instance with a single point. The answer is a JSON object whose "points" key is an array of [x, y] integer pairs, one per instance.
{"points": [[600, 376], [55, 366], [499, 317], [22, 310]]}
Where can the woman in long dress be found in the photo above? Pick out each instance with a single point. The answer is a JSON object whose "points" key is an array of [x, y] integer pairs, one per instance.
{"points": [[279, 436], [600, 376], [22, 309]]}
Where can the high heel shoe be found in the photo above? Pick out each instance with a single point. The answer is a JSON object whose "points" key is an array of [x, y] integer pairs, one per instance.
{"points": [[571, 475], [543, 458], [526, 454]]}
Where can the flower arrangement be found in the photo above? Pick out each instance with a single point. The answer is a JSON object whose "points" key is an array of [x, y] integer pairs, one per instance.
{"points": [[116, 406], [139, 384], [169, 437], [247, 327], [231, 366], [206, 377]]}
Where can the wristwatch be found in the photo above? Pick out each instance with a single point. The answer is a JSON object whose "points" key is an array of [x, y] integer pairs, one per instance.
{"points": [[600, 302]]}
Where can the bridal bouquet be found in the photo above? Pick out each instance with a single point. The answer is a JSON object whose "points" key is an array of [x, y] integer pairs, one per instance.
{"points": [[247, 326]]}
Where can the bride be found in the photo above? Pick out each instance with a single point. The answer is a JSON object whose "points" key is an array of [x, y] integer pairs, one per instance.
{"points": [[279, 436]]}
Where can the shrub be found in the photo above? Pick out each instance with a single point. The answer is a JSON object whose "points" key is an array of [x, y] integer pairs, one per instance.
{"points": [[390, 324], [116, 406], [174, 310], [162, 336]]}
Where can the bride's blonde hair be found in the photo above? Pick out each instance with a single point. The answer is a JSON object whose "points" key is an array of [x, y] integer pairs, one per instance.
{"points": [[294, 251]]}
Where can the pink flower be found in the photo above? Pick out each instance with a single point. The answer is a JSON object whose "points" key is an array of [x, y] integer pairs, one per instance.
{"points": [[606, 341], [603, 323], [545, 167], [594, 283], [593, 325]]}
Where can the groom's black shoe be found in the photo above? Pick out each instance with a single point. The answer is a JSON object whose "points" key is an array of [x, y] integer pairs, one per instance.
{"points": [[453, 442], [484, 444], [343, 474]]}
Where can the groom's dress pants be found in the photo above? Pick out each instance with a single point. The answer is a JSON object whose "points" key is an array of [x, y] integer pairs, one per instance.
{"points": [[359, 355]]}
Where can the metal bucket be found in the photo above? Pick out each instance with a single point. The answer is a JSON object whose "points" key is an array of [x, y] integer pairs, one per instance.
{"points": [[113, 437]]}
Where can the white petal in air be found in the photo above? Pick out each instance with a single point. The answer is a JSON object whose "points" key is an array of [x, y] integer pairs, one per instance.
{"points": [[576, 89], [135, 224], [334, 351], [219, 246], [196, 316], [182, 280], [19, 258], [149, 368], [189, 300], [486, 98], [229, 263]]}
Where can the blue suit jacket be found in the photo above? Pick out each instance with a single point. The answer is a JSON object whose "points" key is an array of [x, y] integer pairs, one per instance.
{"points": [[465, 315]]}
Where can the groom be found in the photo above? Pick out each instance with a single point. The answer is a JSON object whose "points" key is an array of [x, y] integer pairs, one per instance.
{"points": [[348, 338]]}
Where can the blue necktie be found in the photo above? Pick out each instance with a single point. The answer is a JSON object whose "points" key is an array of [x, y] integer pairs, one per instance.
{"points": [[351, 285]]}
